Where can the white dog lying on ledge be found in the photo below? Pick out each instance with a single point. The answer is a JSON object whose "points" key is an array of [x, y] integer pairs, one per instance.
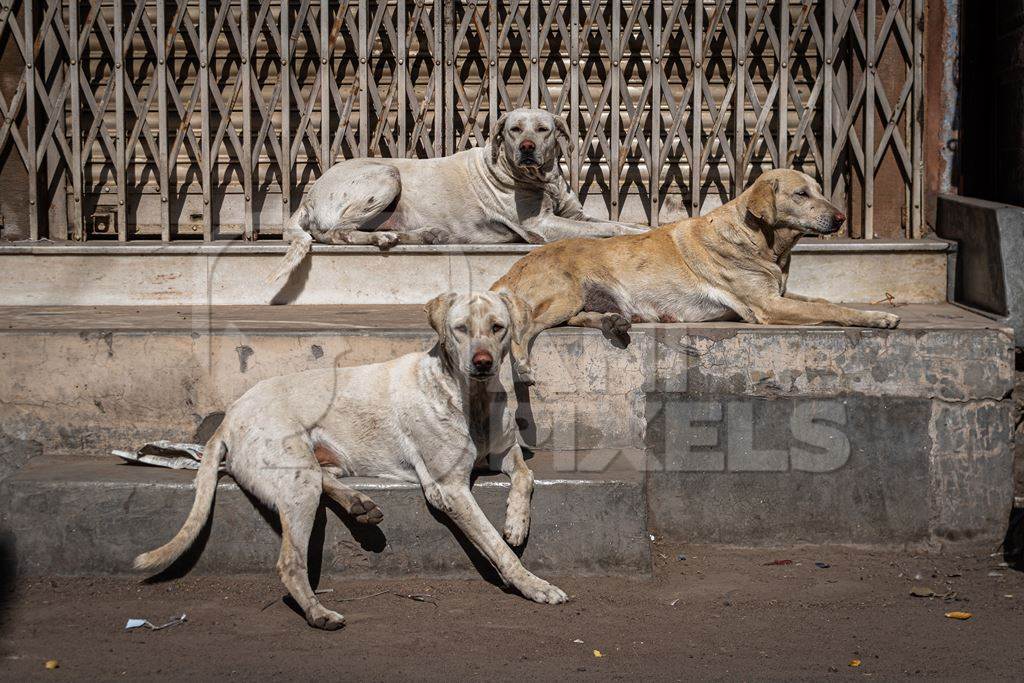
{"points": [[424, 417], [511, 190]]}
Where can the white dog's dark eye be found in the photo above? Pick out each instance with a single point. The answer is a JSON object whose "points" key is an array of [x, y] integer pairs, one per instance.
{"points": [[461, 329], [496, 328], [543, 130], [516, 129]]}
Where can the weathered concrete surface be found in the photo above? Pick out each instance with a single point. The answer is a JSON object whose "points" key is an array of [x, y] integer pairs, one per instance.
{"points": [[109, 512], [988, 275], [117, 390], [831, 435], [234, 273], [15, 452], [952, 356], [852, 469]]}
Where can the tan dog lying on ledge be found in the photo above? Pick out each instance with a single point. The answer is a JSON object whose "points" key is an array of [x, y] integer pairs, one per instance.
{"points": [[424, 417], [731, 264]]}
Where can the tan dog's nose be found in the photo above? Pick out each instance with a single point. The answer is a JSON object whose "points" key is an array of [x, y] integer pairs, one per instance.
{"points": [[482, 361], [527, 146]]}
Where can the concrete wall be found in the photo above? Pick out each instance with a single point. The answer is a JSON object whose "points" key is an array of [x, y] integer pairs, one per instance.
{"points": [[745, 434]]}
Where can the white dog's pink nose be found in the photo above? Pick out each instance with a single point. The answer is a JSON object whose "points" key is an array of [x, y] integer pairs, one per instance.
{"points": [[482, 361]]}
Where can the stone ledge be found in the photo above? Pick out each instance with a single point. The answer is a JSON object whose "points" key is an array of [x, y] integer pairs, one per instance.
{"points": [[109, 512], [241, 247], [234, 273]]}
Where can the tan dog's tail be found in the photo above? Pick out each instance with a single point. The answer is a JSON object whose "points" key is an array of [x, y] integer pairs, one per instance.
{"points": [[206, 485], [300, 241]]}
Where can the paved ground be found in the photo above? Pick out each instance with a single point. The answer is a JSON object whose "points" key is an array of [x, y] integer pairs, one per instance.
{"points": [[717, 613]]}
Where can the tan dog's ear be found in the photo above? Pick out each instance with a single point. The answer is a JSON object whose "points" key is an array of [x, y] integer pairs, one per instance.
{"points": [[498, 137], [521, 314], [761, 203], [437, 313], [562, 130]]}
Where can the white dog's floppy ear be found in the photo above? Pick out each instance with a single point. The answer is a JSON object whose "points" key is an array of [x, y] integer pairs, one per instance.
{"points": [[562, 130], [521, 314], [761, 202], [437, 313], [497, 137]]}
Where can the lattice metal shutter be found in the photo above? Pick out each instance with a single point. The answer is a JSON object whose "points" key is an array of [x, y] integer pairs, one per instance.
{"points": [[204, 120]]}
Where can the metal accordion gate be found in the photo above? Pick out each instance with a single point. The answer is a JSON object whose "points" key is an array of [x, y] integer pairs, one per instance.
{"points": [[200, 120]]}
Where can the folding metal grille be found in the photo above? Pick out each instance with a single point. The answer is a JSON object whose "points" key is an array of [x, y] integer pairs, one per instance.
{"points": [[203, 120]]}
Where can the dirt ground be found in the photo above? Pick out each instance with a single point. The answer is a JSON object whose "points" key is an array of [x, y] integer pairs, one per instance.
{"points": [[706, 613]]}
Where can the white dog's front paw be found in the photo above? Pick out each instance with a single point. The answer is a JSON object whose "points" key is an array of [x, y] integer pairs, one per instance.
{"points": [[539, 590], [319, 616], [385, 240], [517, 525]]}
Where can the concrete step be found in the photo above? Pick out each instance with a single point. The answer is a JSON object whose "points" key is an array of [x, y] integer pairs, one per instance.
{"points": [[745, 434], [913, 271], [92, 515]]}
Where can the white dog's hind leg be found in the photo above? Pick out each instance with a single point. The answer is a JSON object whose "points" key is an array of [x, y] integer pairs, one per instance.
{"points": [[517, 509], [357, 504], [298, 510], [340, 212], [294, 488]]}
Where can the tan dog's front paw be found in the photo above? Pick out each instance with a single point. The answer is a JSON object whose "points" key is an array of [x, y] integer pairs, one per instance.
{"points": [[539, 590], [319, 616], [888, 321], [523, 374], [517, 525]]}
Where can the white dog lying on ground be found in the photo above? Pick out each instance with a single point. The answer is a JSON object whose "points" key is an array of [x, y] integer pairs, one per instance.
{"points": [[425, 417]]}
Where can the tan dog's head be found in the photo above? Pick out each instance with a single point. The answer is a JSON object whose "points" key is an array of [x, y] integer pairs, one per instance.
{"points": [[478, 329], [787, 199], [528, 139]]}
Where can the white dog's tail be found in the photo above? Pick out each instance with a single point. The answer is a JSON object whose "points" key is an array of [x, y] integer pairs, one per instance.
{"points": [[300, 241], [206, 486]]}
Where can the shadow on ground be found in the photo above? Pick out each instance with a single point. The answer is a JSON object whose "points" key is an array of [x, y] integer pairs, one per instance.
{"points": [[1013, 544], [371, 538]]}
